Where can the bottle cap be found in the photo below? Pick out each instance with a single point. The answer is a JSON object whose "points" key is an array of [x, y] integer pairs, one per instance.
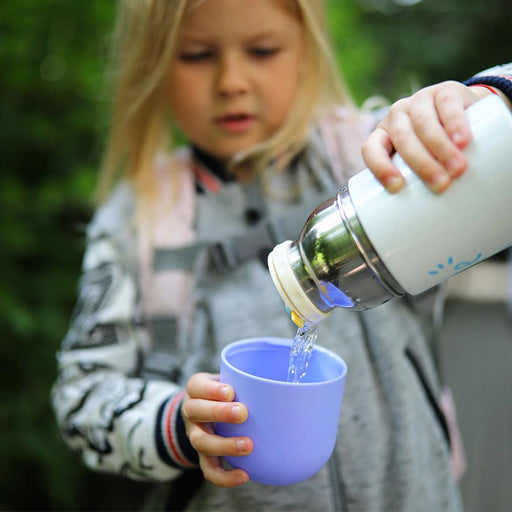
{"points": [[294, 297]]}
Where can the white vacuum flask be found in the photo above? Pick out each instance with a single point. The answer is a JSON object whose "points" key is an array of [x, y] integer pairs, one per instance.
{"points": [[366, 246]]}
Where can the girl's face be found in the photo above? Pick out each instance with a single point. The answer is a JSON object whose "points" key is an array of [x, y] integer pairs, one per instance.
{"points": [[235, 72]]}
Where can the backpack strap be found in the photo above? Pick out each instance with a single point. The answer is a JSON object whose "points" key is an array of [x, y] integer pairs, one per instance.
{"points": [[230, 252], [343, 131]]}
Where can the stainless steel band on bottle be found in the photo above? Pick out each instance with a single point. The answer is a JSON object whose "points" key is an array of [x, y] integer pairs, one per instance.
{"points": [[363, 278], [340, 254]]}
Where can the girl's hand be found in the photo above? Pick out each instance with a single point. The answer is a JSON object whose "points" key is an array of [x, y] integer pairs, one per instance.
{"points": [[208, 401], [429, 130]]}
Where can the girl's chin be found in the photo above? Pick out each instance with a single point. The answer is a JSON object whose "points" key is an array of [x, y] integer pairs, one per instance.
{"points": [[226, 155], [227, 149]]}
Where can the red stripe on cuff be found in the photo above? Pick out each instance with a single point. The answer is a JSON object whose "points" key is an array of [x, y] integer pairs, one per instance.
{"points": [[170, 430]]}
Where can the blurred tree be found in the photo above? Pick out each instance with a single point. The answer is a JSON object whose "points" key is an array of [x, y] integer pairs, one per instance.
{"points": [[52, 54], [393, 47]]}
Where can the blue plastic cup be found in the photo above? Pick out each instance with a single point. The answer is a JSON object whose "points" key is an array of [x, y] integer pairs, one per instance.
{"points": [[292, 425]]}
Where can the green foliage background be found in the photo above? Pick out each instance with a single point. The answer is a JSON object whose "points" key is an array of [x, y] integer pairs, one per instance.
{"points": [[53, 119]]}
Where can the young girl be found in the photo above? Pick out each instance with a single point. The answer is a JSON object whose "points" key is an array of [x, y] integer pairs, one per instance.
{"points": [[175, 262]]}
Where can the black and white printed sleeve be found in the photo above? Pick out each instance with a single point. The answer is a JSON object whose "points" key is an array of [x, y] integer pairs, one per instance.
{"points": [[117, 422]]}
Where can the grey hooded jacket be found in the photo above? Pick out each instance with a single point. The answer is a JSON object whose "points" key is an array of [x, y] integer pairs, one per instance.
{"points": [[120, 366]]}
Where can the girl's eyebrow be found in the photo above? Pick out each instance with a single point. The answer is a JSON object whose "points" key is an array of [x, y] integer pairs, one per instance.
{"points": [[191, 38], [266, 34], [196, 38]]}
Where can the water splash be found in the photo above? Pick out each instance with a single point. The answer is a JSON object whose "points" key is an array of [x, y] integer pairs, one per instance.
{"points": [[300, 352]]}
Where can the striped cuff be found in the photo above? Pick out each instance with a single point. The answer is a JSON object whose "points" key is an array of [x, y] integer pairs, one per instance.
{"points": [[172, 443], [501, 82]]}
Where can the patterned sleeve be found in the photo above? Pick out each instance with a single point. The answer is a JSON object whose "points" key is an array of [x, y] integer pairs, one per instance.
{"points": [[499, 77], [117, 422]]}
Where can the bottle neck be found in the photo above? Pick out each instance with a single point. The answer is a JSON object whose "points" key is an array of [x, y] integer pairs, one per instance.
{"points": [[333, 264]]}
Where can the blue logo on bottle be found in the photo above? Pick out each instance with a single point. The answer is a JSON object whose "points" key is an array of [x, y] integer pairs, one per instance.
{"points": [[452, 268]]}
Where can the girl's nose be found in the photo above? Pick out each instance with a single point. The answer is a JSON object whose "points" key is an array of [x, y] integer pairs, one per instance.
{"points": [[232, 76]]}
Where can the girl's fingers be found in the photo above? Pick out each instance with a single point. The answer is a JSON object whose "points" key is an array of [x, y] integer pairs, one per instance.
{"points": [[206, 443], [429, 130], [450, 100], [199, 410], [427, 127], [207, 386], [377, 151], [215, 473], [211, 448], [415, 154], [209, 401]]}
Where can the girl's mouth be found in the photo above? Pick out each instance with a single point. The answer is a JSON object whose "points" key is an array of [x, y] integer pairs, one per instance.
{"points": [[235, 123]]}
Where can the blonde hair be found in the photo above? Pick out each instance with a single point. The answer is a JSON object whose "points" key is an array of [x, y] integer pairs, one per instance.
{"points": [[144, 42]]}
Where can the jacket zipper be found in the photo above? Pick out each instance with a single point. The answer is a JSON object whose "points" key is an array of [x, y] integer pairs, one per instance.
{"points": [[436, 409], [336, 484]]}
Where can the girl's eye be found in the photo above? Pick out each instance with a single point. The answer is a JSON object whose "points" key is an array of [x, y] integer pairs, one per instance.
{"points": [[264, 51], [195, 56]]}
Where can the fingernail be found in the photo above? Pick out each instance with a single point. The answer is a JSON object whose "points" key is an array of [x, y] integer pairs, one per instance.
{"points": [[241, 445], [236, 411], [394, 183], [224, 392], [439, 182], [457, 138], [454, 165], [241, 478]]}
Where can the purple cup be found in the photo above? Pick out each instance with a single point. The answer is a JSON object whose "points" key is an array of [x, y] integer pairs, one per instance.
{"points": [[293, 425]]}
